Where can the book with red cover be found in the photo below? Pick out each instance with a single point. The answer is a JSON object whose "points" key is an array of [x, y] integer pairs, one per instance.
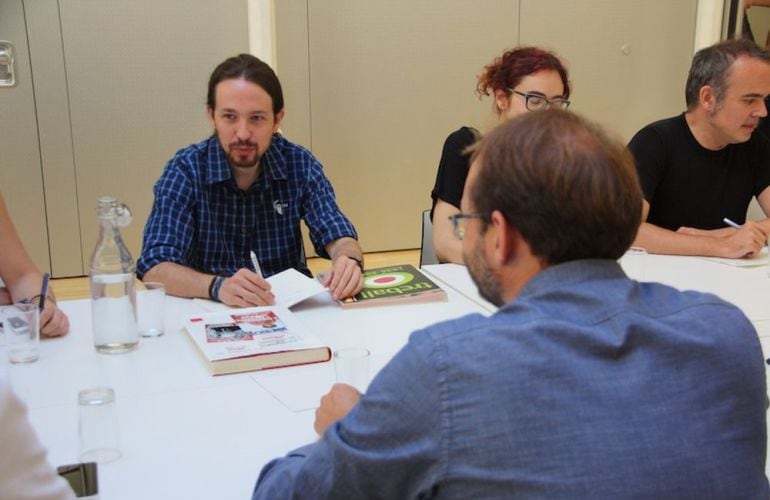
{"points": [[255, 338]]}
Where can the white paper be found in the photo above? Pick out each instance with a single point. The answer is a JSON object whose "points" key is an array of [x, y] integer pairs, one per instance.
{"points": [[291, 287]]}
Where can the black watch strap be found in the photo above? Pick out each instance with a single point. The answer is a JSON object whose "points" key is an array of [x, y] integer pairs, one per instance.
{"points": [[358, 261]]}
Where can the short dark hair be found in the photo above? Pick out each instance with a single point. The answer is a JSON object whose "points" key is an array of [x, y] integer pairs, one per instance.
{"points": [[509, 69], [250, 68], [711, 66], [568, 188]]}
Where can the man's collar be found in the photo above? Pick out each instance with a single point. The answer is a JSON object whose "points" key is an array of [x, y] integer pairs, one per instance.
{"points": [[273, 161], [570, 273]]}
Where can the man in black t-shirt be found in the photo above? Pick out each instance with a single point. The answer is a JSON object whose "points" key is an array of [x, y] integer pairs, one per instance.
{"points": [[704, 166]]}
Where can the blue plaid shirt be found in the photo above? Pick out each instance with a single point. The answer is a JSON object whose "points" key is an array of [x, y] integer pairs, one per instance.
{"points": [[200, 219]]}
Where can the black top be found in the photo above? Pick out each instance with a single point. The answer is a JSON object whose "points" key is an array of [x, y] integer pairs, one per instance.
{"points": [[453, 167], [689, 185]]}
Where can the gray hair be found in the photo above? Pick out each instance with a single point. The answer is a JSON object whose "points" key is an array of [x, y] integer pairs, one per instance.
{"points": [[711, 66]]}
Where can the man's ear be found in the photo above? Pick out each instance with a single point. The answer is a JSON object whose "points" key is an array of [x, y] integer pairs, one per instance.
{"points": [[505, 239], [210, 114], [707, 98], [278, 119]]}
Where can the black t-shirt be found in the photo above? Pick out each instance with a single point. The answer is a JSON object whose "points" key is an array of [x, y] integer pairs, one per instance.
{"points": [[689, 185], [453, 167]]}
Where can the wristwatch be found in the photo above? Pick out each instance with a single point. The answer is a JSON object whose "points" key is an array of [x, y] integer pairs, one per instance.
{"points": [[358, 261]]}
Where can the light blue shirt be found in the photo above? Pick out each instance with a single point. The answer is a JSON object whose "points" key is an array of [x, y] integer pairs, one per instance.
{"points": [[588, 385]]}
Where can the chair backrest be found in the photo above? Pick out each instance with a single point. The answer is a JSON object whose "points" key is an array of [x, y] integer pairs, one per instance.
{"points": [[427, 252]]}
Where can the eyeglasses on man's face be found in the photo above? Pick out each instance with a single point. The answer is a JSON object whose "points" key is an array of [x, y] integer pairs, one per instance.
{"points": [[534, 101], [458, 223]]}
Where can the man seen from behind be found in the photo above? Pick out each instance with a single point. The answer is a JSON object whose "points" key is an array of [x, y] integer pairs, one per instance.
{"points": [[584, 384]]}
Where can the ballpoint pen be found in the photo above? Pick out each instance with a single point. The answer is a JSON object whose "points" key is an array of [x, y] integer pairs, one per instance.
{"points": [[255, 262], [44, 291]]}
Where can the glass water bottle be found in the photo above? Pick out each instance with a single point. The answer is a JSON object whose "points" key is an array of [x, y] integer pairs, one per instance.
{"points": [[112, 276]]}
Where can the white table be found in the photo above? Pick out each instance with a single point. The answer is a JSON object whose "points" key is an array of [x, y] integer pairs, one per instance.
{"points": [[189, 435], [186, 434]]}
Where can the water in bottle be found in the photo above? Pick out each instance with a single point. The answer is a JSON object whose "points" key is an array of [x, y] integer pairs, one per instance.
{"points": [[112, 277]]}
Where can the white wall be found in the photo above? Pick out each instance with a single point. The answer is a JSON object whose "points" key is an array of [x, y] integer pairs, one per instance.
{"points": [[262, 30]]}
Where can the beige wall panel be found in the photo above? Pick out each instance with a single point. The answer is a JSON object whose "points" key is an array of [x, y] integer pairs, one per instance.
{"points": [[21, 180], [292, 64], [759, 19], [53, 117], [628, 60], [389, 80], [137, 74]]}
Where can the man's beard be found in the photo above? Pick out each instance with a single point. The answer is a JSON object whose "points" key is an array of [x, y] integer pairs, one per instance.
{"points": [[488, 286], [237, 160]]}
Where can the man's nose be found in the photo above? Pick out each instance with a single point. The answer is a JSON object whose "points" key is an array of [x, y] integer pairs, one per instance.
{"points": [[763, 107], [243, 131]]}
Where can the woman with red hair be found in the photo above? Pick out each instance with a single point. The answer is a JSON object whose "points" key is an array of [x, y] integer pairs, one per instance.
{"points": [[521, 80]]}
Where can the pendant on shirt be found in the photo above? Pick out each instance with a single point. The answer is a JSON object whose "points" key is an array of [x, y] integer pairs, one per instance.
{"points": [[278, 206]]}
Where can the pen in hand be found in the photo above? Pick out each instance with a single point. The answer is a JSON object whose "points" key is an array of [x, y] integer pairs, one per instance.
{"points": [[735, 225], [255, 263], [44, 291]]}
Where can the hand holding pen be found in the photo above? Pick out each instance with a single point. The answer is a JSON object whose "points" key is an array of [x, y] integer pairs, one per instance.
{"points": [[53, 322], [746, 241], [246, 288]]}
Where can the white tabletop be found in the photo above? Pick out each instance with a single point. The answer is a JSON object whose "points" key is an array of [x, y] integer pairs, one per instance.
{"points": [[184, 433]]}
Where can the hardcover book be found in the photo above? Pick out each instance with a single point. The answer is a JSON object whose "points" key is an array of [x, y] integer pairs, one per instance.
{"points": [[255, 338], [403, 284]]}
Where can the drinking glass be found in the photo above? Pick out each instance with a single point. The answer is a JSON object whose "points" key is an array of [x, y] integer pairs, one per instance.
{"points": [[20, 327], [149, 309], [351, 366], [98, 425]]}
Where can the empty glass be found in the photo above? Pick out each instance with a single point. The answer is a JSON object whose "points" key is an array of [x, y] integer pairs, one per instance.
{"points": [[352, 367], [149, 309], [98, 425]]}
